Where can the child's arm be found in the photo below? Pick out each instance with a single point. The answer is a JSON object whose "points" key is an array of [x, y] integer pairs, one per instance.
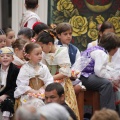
{"points": [[64, 71], [59, 76], [31, 91]]}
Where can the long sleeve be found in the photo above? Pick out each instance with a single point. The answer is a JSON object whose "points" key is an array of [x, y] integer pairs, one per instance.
{"points": [[101, 61], [26, 73], [76, 65], [59, 58], [11, 81], [31, 22]]}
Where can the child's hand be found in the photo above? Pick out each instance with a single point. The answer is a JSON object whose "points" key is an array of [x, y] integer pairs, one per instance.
{"points": [[74, 75], [2, 98]]}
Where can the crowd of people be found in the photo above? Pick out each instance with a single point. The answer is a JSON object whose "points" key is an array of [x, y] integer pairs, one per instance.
{"points": [[42, 72]]}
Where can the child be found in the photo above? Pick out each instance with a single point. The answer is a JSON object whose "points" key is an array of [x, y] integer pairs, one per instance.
{"points": [[64, 34], [30, 17], [97, 75], [26, 34], [18, 47], [104, 28], [38, 27], [58, 62], [2, 39], [8, 76], [10, 36], [33, 75]]}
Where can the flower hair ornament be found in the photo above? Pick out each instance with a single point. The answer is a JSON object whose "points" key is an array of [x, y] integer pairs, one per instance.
{"points": [[51, 32]]}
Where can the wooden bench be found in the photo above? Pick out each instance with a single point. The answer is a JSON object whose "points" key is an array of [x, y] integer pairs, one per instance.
{"points": [[88, 97]]}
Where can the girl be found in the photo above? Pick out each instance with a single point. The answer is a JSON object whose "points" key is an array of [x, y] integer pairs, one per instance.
{"points": [[26, 34], [30, 17], [10, 36], [18, 47], [32, 75], [104, 28], [38, 27], [2, 39], [97, 74], [58, 62]]}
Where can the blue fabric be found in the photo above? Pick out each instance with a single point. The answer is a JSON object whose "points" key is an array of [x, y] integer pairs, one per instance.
{"points": [[72, 52]]}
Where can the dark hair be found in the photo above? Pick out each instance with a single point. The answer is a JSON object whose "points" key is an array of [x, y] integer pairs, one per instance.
{"points": [[2, 32], [38, 27], [19, 43], [7, 30], [46, 36], [31, 4], [63, 27], [55, 86], [109, 41], [29, 33], [30, 47], [104, 26]]}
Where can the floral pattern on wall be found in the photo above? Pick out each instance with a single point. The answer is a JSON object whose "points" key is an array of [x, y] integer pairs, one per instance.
{"points": [[85, 16]]}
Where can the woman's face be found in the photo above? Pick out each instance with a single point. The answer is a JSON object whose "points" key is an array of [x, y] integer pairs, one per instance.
{"points": [[46, 48], [10, 38]]}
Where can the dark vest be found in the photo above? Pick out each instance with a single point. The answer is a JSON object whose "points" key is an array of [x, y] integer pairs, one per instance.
{"points": [[72, 52]]}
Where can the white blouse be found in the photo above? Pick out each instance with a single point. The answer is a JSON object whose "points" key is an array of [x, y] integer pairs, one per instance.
{"points": [[102, 66], [27, 72], [91, 44], [60, 58], [115, 58]]}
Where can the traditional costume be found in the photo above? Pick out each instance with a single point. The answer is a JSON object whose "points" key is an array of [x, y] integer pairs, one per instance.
{"points": [[18, 62], [29, 79], [29, 18], [59, 62], [74, 55], [95, 75], [7, 85]]}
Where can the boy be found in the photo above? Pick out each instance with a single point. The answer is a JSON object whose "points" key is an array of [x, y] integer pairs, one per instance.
{"points": [[8, 76], [64, 34]]}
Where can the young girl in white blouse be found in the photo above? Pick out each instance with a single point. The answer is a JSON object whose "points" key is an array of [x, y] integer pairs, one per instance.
{"points": [[33, 75], [18, 47], [58, 62]]}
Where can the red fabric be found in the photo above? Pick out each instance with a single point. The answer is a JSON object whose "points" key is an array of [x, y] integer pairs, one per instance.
{"points": [[36, 23], [25, 24]]}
